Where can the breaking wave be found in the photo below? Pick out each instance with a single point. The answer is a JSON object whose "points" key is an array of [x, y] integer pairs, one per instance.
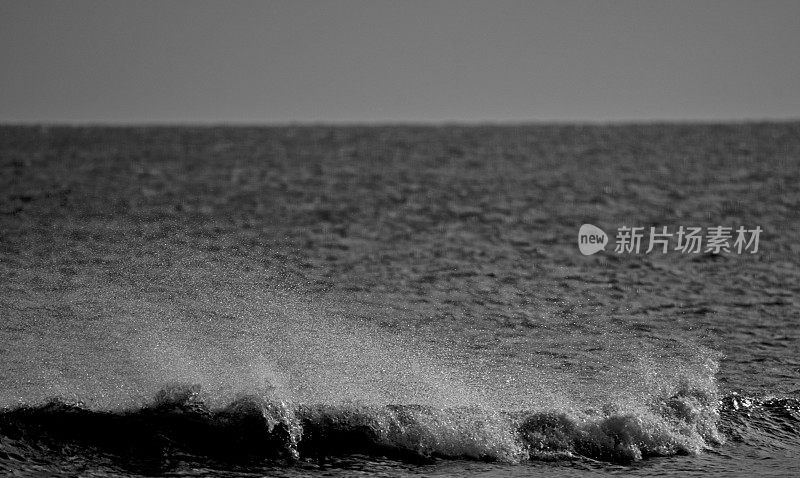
{"points": [[178, 423]]}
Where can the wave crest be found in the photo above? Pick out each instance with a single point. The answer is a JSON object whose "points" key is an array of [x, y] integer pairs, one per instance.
{"points": [[251, 427]]}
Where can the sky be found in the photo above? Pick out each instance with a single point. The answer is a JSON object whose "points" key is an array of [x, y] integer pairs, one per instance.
{"points": [[355, 61]]}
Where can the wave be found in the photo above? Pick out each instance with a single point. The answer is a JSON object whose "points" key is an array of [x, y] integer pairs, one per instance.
{"points": [[179, 423], [763, 422]]}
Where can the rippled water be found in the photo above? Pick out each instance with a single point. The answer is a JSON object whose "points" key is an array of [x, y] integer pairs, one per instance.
{"points": [[395, 300]]}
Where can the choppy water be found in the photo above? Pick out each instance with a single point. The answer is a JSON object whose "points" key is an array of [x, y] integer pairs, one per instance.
{"points": [[395, 301]]}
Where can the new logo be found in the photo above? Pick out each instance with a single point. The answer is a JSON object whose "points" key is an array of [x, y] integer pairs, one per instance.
{"points": [[591, 239]]}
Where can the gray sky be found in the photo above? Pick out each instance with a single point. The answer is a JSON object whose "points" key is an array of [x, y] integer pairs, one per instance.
{"points": [[397, 61]]}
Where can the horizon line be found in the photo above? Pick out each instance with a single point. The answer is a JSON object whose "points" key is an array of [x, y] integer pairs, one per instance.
{"points": [[391, 123]]}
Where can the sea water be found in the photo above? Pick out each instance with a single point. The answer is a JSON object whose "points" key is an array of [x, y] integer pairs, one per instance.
{"points": [[395, 300]]}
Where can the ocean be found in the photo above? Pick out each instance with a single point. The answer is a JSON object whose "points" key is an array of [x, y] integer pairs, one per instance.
{"points": [[399, 300]]}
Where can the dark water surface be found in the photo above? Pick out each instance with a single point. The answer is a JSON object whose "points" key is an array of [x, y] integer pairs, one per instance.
{"points": [[396, 301]]}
